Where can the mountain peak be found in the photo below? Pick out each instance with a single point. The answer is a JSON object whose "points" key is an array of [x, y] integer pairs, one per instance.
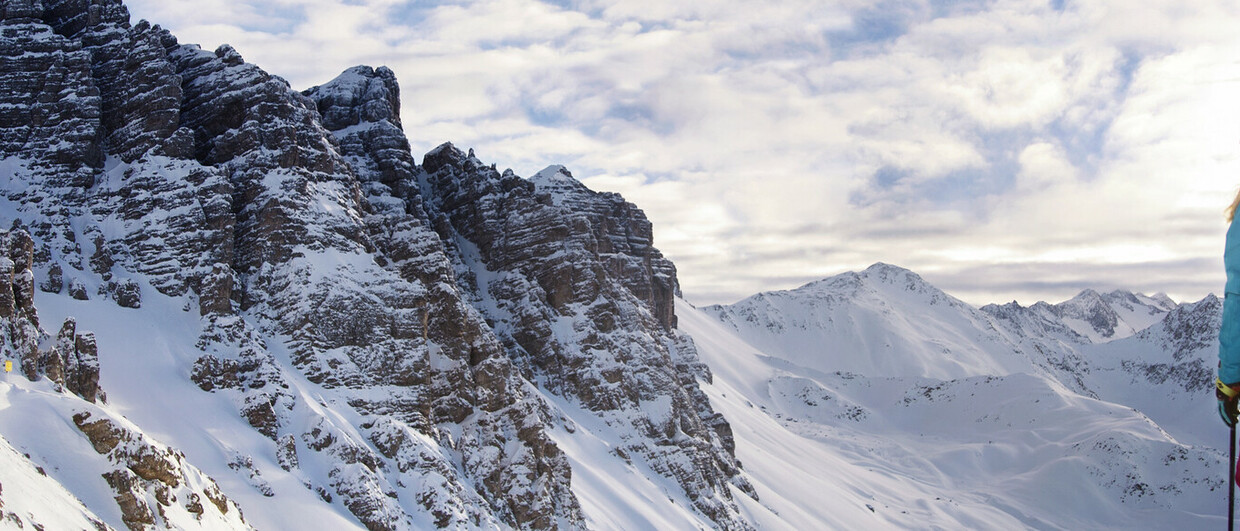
{"points": [[1165, 300], [889, 273], [358, 95], [883, 267], [559, 182], [552, 172], [1087, 298], [1003, 310], [905, 278], [1187, 328], [878, 274], [555, 177], [444, 154], [883, 321], [229, 55]]}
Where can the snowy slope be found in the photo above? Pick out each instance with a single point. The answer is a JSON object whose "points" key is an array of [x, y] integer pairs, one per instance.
{"points": [[1166, 372], [31, 497], [54, 430], [147, 356], [1010, 451]]}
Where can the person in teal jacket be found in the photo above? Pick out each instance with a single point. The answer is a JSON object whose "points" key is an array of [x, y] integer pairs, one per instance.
{"points": [[1227, 385]]}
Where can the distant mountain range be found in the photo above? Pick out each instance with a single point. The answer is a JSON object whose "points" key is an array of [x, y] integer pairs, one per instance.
{"points": [[1092, 413], [233, 305]]}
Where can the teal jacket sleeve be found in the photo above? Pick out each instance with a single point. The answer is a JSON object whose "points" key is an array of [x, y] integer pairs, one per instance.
{"points": [[1229, 333], [1231, 258]]}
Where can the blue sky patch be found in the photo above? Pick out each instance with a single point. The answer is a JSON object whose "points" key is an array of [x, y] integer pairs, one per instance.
{"points": [[273, 18], [881, 23]]}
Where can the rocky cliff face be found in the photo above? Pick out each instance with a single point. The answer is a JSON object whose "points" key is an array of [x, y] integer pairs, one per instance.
{"points": [[533, 261], [1187, 332], [391, 326], [70, 360], [584, 305]]}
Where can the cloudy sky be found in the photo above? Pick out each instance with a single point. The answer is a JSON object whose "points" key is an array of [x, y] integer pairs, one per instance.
{"points": [[1005, 150]]}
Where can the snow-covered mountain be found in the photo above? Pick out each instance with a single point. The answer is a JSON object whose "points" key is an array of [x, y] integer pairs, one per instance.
{"points": [[884, 320], [1090, 317], [1021, 417], [233, 305]]}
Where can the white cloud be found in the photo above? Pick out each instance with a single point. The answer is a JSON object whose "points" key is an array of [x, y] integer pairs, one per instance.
{"points": [[1011, 87], [1043, 166]]}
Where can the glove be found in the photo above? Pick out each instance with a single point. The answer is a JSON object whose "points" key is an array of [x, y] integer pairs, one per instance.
{"points": [[1228, 399]]}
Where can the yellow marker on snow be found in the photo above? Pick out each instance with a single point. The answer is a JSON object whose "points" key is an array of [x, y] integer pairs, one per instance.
{"points": [[8, 365]]}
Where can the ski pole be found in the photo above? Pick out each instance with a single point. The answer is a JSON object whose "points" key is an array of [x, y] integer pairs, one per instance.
{"points": [[1231, 483]]}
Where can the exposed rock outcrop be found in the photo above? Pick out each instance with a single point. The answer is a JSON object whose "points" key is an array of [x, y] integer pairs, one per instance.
{"points": [[20, 334], [49, 105], [71, 361], [458, 370], [1188, 329], [550, 250], [152, 478]]}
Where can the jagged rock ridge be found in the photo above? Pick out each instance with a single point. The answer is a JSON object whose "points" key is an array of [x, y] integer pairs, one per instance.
{"points": [[537, 261], [546, 254], [1089, 317]]}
